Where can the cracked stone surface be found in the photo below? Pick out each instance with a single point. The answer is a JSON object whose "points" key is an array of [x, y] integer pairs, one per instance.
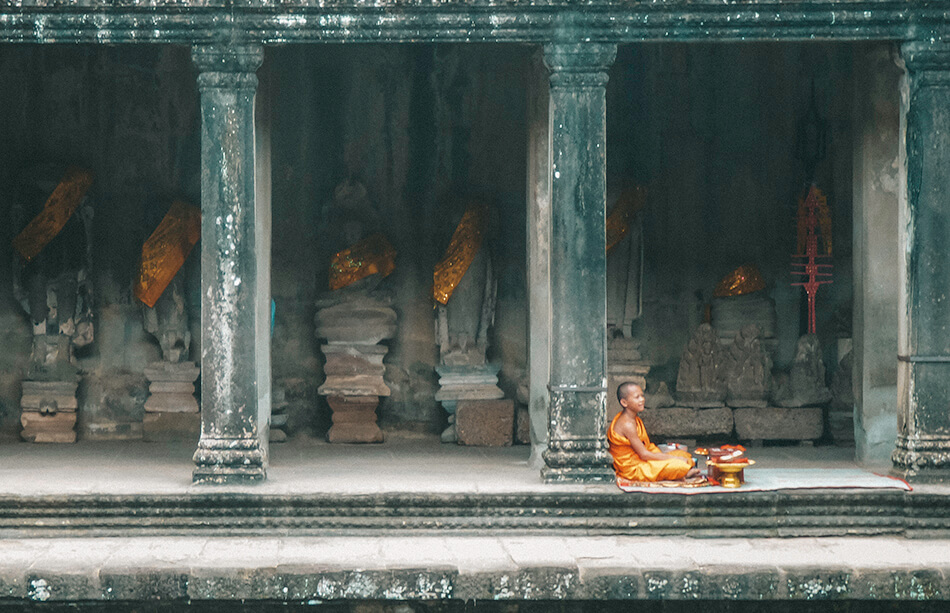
{"points": [[470, 568]]}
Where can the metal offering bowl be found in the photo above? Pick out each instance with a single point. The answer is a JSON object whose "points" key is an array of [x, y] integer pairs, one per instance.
{"points": [[730, 472]]}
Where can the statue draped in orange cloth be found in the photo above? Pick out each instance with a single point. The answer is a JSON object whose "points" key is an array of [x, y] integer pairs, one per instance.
{"points": [[635, 457]]}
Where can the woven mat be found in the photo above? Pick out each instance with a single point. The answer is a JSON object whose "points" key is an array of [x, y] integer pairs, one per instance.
{"points": [[774, 479]]}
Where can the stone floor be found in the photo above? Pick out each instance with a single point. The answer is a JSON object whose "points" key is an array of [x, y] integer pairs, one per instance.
{"points": [[405, 463], [430, 567]]}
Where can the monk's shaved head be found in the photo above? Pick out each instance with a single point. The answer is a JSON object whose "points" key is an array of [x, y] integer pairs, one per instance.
{"points": [[625, 388]]}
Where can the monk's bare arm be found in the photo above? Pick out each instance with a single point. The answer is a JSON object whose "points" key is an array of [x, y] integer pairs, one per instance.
{"points": [[630, 433]]}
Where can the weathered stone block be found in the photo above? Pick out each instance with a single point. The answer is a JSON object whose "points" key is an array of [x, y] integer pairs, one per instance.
{"points": [[488, 423], [757, 584], [48, 427], [819, 585], [673, 585], [172, 387], [900, 584], [354, 385], [354, 370], [458, 383], [150, 585], [160, 427], [611, 584], [774, 423], [365, 323], [345, 360], [354, 420], [684, 421], [49, 395]]}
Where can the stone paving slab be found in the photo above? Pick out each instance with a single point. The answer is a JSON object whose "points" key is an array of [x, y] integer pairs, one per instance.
{"points": [[471, 568], [305, 466]]}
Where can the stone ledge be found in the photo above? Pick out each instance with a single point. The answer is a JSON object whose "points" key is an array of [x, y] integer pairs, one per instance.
{"points": [[300, 569], [258, 21], [745, 514]]}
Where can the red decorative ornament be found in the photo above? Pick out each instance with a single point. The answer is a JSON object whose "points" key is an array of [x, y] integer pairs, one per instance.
{"points": [[813, 217]]}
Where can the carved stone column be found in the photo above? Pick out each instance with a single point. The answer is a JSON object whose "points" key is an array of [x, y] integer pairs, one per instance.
{"points": [[577, 446], [923, 383], [235, 258]]}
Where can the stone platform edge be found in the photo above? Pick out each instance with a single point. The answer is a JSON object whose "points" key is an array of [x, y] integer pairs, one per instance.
{"points": [[138, 580], [793, 513]]}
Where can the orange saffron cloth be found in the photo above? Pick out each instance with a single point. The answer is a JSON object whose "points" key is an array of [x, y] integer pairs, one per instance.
{"points": [[628, 465], [165, 251], [464, 245], [59, 207], [369, 256]]}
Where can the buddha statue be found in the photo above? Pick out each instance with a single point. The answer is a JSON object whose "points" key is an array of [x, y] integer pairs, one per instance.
{"points": [[355, 315], [464, 289], [52, 282]]}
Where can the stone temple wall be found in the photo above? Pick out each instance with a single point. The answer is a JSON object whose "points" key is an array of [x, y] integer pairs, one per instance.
{"points": [[709, 129]]}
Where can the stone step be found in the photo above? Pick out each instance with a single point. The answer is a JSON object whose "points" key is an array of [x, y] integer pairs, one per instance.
{"points": [[180, 571], [604, 510]]}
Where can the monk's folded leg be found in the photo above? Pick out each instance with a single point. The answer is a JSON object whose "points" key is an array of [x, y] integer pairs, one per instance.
{"points": [[685, 455], [673, 469]]}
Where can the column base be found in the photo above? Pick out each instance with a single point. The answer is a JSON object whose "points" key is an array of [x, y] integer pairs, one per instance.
{"points": [[229, 461], [922, 460], [577, 461], [577, 475]]}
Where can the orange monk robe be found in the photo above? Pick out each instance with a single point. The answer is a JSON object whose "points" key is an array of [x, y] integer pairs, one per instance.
{"points": [[629, 465]]}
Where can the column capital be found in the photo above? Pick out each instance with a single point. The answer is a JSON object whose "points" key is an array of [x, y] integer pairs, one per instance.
{"points": [[579, 64], [926, 56], [227, 66]]}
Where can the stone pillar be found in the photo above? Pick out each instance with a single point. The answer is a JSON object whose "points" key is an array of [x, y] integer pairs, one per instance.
{"points": [[539, 255], [577, 445], [923, 376], [235, 264], [876, 203]]}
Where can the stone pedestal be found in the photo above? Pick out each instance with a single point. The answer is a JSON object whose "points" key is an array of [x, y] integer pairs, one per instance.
{"points": [[48, 411], [171, 390], [577, 319], [485, 423], [354, 420], [354, 324], [353, 387], [458, 383]]}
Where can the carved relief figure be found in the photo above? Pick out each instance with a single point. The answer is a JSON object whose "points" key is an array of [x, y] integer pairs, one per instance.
{"points": [[748, 370], [701, 378], [806, 382]]}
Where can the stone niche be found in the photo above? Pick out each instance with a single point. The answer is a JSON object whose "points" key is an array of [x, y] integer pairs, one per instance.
{"points": [[723, 185]]}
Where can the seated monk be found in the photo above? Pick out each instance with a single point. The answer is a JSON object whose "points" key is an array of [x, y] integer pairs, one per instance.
{"points": [[635, 457]]}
